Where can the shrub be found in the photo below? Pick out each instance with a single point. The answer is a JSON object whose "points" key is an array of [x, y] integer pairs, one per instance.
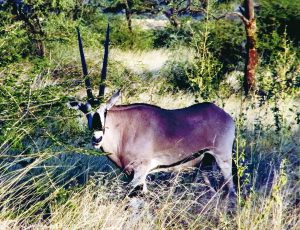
{"points": [[137, 39], [172, 37], [176, 74], [273, 20], [279, 16], [14, 43], [226, 40]]}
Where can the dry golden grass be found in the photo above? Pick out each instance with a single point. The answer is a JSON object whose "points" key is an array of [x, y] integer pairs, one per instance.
{"points": [[147, 24], [142, 61], [105, 207], [170, 204]]}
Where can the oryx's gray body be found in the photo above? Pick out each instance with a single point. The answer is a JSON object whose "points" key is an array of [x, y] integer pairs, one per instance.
{"points": [[141, 137]]}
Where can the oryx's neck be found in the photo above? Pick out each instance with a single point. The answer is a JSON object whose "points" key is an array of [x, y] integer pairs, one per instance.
{"points": [[115, 125]]}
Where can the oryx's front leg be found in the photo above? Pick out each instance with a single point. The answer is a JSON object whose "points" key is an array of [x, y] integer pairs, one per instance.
{"points": [[141, 169]]}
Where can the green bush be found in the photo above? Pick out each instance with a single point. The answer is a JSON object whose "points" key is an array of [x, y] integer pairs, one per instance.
{"points": [[14, 42], [172, 37], [176, 75], [226, 43], [274, 18], [225, 40], [120, 36], [280, 16], [137, 39]]}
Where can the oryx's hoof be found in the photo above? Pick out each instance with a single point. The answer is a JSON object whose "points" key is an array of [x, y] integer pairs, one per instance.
{"points": [[136, 191]]}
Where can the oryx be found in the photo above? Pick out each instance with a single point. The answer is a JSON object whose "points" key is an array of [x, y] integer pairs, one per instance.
{"points": [[143, 138]]}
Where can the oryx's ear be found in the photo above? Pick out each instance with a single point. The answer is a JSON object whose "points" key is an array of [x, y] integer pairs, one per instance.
{"points": [[85, 108], [73, 104], [113, 100]]}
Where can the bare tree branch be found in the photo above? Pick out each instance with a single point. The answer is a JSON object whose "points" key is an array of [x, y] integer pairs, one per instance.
{"points": [[242, 17]]}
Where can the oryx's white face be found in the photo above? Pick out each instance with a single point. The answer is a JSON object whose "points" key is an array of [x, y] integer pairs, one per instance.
{"points": [[96, 121]]}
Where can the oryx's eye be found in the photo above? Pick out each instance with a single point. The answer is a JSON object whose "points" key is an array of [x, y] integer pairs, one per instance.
{"points": [[96, 123]]}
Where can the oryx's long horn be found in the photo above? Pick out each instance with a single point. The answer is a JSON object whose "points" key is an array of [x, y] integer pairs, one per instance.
{"points": [[104, 66], [84, 70]]}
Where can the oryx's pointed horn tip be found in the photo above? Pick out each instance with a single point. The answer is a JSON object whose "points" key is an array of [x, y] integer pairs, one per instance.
{"points": [[104, 64], [77, 30]]}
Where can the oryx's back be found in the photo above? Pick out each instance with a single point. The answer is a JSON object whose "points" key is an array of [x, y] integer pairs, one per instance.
{"points": [[154, 130], [175, 123]]}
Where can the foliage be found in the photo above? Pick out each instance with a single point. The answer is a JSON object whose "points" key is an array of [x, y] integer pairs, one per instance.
{"points": [[274, 19], [172, 37], [32, 14], [116, 6], [176, 75], [14, 43], [219, 51], [280, 16], [35, 99], [226, 43], [281, 80], [225, 40], [205, 77], [135, 40]]}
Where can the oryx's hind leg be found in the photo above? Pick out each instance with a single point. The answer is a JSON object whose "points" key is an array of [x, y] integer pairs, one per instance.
{"points": [[206, 166], [223, 155], [224, 161]]}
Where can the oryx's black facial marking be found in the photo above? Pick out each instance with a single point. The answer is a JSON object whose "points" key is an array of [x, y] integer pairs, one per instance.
{"points": [[96, 122]]}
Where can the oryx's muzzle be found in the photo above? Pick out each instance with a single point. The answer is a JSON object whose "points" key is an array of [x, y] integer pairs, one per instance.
{"points": [[97, 139]]}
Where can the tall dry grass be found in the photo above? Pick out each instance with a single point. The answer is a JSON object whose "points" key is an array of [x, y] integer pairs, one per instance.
{"points": [[105, 207], [37, 197]]}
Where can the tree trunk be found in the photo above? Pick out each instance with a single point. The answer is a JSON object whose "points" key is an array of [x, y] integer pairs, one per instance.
{"points": [[188, 5], [128, 15], [40, 48], [252, 56], [204, 4], [170, 14]]}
